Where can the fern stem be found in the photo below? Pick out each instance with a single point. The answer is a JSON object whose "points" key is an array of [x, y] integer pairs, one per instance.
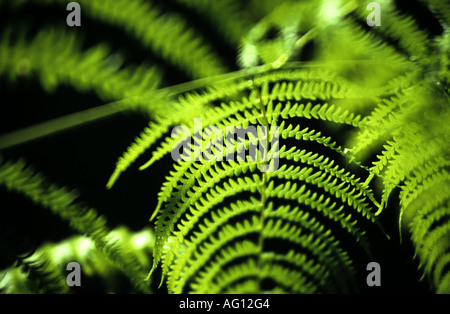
{"points": [[261, 223], [58, 124], [265, 121], [109, 109]]}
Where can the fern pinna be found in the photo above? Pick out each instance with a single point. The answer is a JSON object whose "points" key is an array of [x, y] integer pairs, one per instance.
{"points": [[200, 199], [289, 163]]}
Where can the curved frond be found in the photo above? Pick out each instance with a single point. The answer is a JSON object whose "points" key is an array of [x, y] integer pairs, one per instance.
{"points": [[167, 35], [56, 57]]}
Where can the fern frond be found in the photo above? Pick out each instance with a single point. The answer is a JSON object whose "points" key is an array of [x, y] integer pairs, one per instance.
{"points": [[421, 219], [148, 137], [207, 228], [173, 210], [204, 279], [57, 58], [426, 210], [229, 115], [413, 188], [37, 273], [51, 259], [167, 35], [371, 134], [341, 104], [408, 160], [395, 25], [225, 234], [291, 132], [442, 279], [220, 116], [320, 243], [328, 180], [19, 178], [192, 226]]}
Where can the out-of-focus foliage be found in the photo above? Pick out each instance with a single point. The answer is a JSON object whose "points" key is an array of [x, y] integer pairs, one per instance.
{"points": [[362, 115]]}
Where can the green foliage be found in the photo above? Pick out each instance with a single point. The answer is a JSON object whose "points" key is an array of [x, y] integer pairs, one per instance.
{"points": [[16, 177], [28, 275], [356, 117], [56, 57]]}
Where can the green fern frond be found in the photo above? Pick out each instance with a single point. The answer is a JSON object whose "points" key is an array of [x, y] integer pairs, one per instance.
{"points": [[18, 177], [414, 160], [37, 274], [57, 58], [413, 188], [197, 204], [167, 35], [46, 267], [396, 24], [328, 180], [148, 136], [225, 115], [192, 226], [426, 211], [204, 279]]}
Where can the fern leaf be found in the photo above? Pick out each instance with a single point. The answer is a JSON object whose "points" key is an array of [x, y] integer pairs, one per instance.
{"points": [[46, 267], [168, 35], [16, 176], [57, 57], [147, 137]]}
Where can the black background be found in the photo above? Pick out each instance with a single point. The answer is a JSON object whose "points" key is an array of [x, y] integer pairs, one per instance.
{"points": [[85, 157]]}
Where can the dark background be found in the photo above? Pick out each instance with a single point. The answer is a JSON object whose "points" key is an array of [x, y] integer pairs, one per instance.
{"points": [[84, 157]]}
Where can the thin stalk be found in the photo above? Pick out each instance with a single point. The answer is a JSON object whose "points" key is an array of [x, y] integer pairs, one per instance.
{"points": [[263, 194]]}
